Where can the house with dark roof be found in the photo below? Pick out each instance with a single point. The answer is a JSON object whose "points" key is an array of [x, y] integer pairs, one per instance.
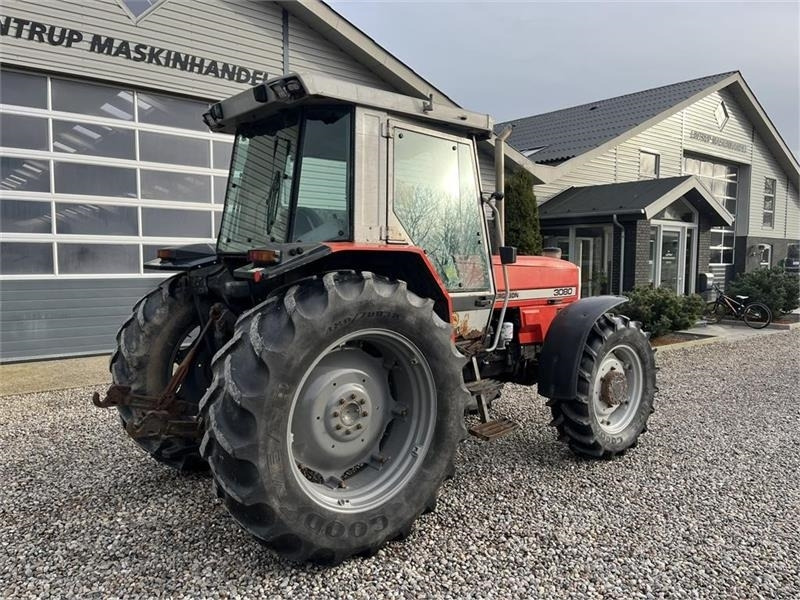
{"points": [[661, 186]]}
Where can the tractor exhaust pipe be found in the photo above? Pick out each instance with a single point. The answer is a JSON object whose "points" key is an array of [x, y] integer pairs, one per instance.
{"points": [[500, 229], [500, 182]]}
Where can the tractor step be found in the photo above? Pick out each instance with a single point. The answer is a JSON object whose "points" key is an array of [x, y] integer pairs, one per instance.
{"points": [[490, 388], [493, 429]]}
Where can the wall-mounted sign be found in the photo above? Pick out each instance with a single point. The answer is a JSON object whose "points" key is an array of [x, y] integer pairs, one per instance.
{"points": [[54, 35], [138, 9], [719, 141]]}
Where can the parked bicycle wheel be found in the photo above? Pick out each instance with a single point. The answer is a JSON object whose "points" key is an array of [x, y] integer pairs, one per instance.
{"points": [[714, 312], [757, 315]]}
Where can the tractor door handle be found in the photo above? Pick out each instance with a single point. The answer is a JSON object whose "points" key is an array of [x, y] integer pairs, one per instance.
{"points": [[483, 302]]}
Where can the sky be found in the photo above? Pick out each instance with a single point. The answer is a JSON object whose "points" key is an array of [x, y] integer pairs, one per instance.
{"points": [[514, 59]]}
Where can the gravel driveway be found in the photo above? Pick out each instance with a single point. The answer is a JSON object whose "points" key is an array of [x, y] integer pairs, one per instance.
{"points": [[708, 505]]}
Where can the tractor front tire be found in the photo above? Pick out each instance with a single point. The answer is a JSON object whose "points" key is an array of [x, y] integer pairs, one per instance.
{"points": [[334, 416], [616, 388], [150, 344]]}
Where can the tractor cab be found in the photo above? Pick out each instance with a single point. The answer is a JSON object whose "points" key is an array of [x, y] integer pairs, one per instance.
{"points": [[322, 166]]}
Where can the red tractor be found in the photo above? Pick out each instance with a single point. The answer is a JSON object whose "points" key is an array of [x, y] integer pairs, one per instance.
{"points": [[320, 360]]}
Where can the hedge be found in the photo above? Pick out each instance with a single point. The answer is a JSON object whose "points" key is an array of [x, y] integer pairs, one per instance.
{"points": [[661, 310], [774, 287]]}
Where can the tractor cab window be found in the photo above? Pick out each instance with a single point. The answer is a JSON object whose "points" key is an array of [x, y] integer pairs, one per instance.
{"points": [[323, 197], [437, 202], [289, 180]]}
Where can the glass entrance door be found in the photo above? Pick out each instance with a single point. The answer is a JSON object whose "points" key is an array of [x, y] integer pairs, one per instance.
{"points": [[671, 260]]}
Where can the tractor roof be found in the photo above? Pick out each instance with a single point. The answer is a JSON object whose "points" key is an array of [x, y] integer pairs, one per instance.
{"points": [[297, 89]]}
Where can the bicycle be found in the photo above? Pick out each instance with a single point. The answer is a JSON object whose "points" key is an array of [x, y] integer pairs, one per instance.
{"points": [[755, 314]]}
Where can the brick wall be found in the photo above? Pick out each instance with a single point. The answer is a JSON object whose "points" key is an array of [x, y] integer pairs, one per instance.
{"points": [[637, 252], [703, 244], [747, 258], [639, 255]]}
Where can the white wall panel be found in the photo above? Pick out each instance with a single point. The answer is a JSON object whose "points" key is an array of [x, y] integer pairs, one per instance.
{"points": [[248, 34], [309, 51], [792, 212], [765, 166]]}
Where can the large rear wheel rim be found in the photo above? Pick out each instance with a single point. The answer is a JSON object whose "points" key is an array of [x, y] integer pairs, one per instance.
{"points": [[618, 389], [362, 420]]}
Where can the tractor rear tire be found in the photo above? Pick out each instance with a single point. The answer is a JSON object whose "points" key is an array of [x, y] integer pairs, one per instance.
{"points": [[149, 346], [334, 416], [616, 388]]}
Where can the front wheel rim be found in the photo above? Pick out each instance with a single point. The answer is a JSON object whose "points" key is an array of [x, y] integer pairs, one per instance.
{"points": [[362, 420], [618, 389]]}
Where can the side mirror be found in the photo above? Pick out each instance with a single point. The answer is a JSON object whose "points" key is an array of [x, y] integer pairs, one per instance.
{"points": [[508, 255]]}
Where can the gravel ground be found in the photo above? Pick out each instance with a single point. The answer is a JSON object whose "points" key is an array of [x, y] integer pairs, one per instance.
{"points": [[706, 506]]}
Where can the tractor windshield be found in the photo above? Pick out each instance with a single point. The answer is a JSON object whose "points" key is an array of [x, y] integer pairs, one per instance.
{"points": [[290, 180]]}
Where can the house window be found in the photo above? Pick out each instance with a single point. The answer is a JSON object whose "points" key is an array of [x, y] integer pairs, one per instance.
{"points": [[764, 255], [721, 246], [722, 180], [721, 114], [648, 165], [768, 216]]}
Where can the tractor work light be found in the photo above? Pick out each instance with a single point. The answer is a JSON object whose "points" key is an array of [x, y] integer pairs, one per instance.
{"points": [[286, 89], [294, 87], [214, 115], [263, 256], [279, 90]]}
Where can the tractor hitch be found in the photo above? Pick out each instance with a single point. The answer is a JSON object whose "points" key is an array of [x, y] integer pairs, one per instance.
{"points": [[159, 416], [121, 395], [159, 413], [155, 423]]}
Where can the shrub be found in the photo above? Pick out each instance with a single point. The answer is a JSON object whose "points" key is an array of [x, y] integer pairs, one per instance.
{"points": [[661, 310], [774, 287], [522, 214]]}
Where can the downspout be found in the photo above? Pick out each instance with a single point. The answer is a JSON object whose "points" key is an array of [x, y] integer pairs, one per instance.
{"points": [[621, 251]]}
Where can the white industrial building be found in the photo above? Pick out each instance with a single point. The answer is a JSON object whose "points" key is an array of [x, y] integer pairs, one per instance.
{"points": [[104, 157]]}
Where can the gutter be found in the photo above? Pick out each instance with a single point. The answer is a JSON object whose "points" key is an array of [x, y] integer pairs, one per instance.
{"points": [[583, 215]]}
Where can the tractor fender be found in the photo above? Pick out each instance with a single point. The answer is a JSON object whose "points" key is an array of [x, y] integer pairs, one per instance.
{"points": [[563, 345]]}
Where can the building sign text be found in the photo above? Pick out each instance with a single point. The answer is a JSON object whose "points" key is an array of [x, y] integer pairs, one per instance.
{"points": [[55, 35], [718, 141]]}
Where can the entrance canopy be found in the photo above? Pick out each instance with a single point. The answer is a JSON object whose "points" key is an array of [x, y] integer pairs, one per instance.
{"points": [[643, 199]]}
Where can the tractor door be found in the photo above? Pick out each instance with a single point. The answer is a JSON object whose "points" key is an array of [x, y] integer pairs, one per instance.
{"points": [[434, 203]]}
